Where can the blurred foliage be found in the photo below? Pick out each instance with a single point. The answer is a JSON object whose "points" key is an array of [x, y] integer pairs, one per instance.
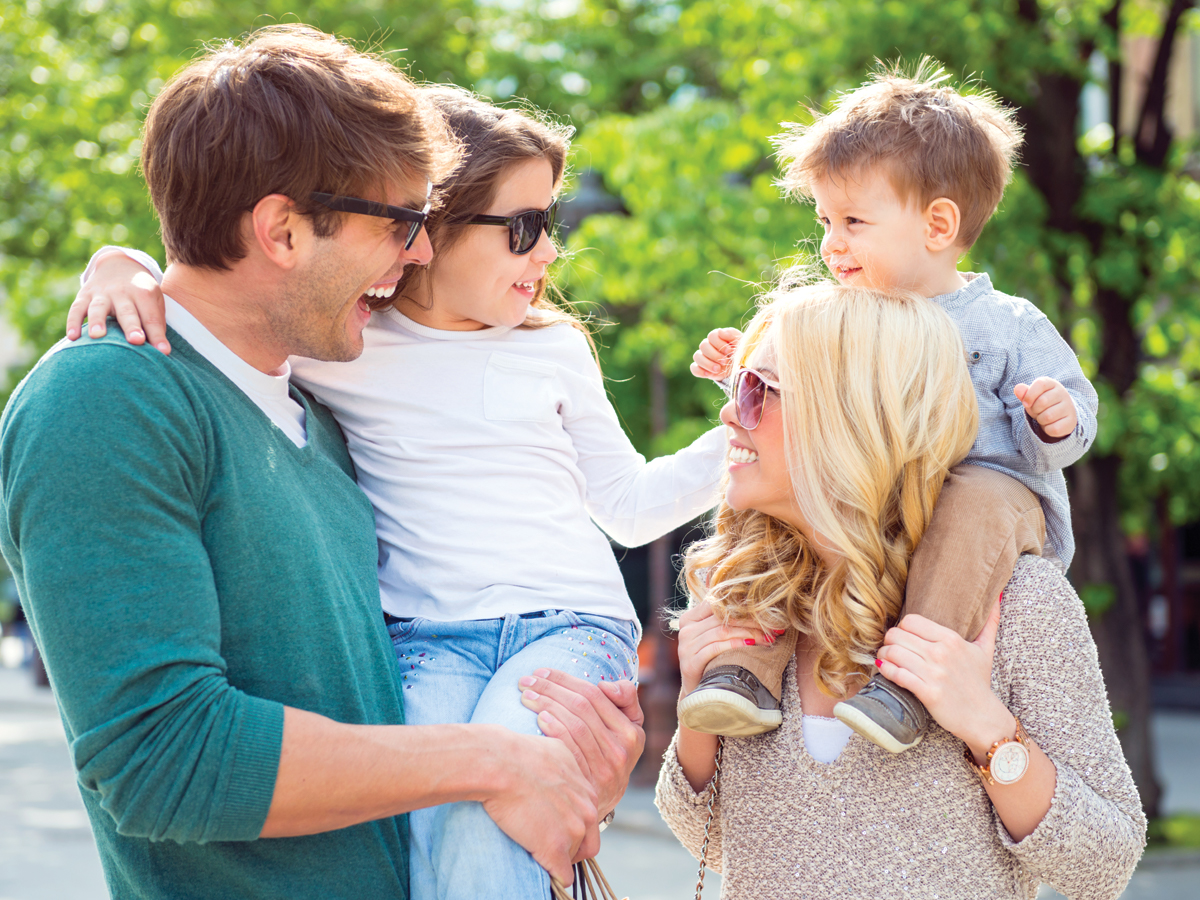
{"points": [[1180, 830], [676, 103]]}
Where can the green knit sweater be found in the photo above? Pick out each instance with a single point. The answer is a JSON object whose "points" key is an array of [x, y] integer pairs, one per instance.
{"points": [[187, 571]]}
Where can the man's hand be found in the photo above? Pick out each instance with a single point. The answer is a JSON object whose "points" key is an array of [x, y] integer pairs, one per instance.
{"points": [[714, 359], [332, 775], [1050, 405], [547, 805], [600, 724]]}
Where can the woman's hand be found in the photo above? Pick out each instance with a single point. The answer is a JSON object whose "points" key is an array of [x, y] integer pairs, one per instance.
{"points": [[121, 287], [951, 676], [702, 637]]}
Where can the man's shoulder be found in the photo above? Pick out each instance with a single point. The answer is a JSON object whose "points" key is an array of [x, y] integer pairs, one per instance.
{"points": [[108, 359], [83, 383]]}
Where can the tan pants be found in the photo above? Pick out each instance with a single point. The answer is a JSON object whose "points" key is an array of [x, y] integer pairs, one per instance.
{"points": [[982, 523]]}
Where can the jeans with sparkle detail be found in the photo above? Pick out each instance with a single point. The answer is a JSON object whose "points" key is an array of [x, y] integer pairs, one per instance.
{"points": [[467, 671]]}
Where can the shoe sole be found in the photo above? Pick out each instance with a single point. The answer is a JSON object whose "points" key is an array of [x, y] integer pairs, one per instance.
{"points": [[725, 713], [863, 724]]}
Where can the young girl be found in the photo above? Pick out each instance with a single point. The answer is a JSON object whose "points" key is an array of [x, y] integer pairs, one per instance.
{"points": [[480, 429]]}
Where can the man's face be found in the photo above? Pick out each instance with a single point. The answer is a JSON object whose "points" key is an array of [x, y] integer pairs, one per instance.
{"points": [[872, 239], [324, 308]]}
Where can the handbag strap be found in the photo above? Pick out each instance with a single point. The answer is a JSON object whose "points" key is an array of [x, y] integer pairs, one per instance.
{"points": [[589, 884], [712, 799]]}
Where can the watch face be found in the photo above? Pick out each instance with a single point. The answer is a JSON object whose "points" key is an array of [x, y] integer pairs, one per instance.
{"points": [[1009, 762]]}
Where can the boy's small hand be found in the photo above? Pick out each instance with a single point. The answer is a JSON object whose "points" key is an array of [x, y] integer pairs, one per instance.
{"points": [[715, 355], [1049, 404]]}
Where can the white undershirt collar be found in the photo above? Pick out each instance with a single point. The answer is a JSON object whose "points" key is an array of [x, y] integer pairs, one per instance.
{"points": [[269, 391]]}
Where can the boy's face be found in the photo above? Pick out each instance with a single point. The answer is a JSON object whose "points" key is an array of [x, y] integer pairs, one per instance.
{"points": [[872, 239]]}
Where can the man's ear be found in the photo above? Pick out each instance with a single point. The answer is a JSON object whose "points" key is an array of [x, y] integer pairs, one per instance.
{"points": [[942, 223], [278, 230]]}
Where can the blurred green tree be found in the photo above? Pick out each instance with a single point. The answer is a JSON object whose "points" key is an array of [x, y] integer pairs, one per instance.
{"points": [[76, 77]]}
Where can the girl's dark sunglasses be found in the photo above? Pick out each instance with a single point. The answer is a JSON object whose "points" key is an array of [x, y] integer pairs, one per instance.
{"points": [[748, 391], [414, 217], [523, 229]]}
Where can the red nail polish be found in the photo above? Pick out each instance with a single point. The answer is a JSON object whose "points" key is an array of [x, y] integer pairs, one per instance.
{"points": [[781, 631], [879, 663], [749, 642]]}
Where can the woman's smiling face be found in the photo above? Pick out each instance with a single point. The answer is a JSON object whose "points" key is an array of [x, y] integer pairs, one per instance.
{"points": [[479, 282], [758, 466], [759, 470]]}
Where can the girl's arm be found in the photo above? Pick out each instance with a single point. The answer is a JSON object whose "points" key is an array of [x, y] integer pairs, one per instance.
{"points": [[634, 501], [125, 284]]}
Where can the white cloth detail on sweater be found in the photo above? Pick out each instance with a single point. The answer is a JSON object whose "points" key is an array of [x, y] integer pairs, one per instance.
{"points": [[824, 738]]}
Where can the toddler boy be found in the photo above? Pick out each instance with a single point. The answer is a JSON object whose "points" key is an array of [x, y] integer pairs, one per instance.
{"points": [[904, 173]]}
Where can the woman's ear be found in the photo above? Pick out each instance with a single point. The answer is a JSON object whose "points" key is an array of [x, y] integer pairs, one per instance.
{"points": [[278, 231], [942, 223]]}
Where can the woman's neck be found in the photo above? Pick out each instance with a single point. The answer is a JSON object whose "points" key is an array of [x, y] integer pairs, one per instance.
{"points": [[814, 701]]}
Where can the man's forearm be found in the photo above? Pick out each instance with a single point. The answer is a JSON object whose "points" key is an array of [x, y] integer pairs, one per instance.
{"points": [[333, 775]]}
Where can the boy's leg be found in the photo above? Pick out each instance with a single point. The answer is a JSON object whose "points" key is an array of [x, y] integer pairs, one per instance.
{"points": [[740, 692], [983, 522], [474, 858], [445, 667]]}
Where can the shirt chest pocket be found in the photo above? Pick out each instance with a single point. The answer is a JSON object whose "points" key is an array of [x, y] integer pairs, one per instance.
{"points": [[986, 365], [516, 389]]}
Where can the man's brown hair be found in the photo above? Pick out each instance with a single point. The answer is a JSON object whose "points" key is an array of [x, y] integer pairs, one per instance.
{"points": [[289, 111], [931, 141]]}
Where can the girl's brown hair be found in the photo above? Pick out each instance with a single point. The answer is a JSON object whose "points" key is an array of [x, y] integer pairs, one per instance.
{"points": [[494, 140]]}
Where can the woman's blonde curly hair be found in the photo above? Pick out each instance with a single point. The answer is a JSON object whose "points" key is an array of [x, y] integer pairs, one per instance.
{"points": [[877, 405]]}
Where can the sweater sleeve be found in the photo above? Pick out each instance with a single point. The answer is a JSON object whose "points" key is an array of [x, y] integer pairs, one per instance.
{"points": [[1093, 835], [685, 811], [635, 501], [1043, 352], [103, 473]]}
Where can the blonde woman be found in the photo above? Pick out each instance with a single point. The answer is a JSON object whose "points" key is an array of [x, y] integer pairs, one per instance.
{"points": [[849, 408]]}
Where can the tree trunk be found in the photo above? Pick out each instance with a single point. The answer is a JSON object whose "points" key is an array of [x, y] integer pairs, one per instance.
{"points": [[1058, 172], [1100, 559], [660, 693]]}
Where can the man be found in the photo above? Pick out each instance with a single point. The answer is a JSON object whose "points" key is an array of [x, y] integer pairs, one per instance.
{"points": [[205, 598]]}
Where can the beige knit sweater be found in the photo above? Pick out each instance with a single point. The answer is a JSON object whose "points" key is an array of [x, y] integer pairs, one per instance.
{"points": [[919, 824]]}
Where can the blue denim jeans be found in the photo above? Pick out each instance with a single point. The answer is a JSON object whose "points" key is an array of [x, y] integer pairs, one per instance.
{"points": [[467, 671]]}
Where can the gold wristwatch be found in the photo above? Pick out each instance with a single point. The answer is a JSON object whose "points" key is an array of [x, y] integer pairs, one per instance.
{"points": [[1007, 761]]}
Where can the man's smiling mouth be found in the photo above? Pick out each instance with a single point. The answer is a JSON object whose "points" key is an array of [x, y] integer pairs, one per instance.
{"points": [[381, 291]]}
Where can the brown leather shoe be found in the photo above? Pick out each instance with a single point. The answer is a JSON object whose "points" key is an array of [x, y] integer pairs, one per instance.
{"points": [[730, 701], [885, 714]]}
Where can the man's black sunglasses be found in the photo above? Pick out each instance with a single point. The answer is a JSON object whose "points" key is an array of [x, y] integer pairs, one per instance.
{"points": [[415, 217], [524, 229]]}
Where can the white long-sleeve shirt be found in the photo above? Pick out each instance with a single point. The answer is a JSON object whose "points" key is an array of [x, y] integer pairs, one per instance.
{"points": [[487, 455]]}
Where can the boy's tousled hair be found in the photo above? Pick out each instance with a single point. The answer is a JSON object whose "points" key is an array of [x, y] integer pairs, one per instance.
{"points": [[289, 111], [931, 140]]}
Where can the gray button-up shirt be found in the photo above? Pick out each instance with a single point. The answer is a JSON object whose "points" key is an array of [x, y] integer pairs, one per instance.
{"points": [[1009, 341]]}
